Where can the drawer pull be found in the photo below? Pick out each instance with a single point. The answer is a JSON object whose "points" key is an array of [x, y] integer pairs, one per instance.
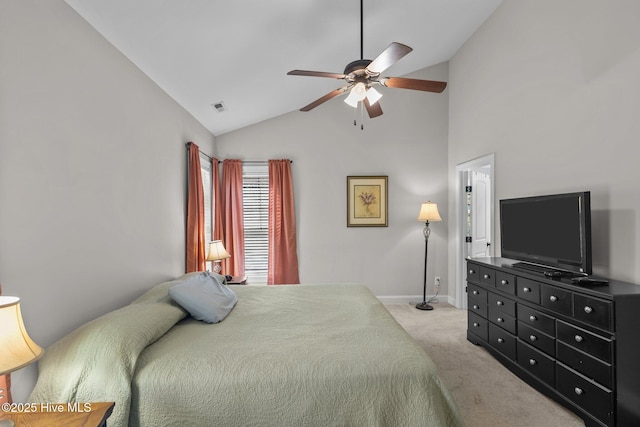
{"points": [[525, 290], [476, 324], [476, 307], [588, 309], [504, 282], [476, 293], [533, 318], [500, 340], [486, 276], [472, 271], [553, 298], [500, 320], [532, 362], [499, 303], [578, 338], [533, 337], [578, 391]]}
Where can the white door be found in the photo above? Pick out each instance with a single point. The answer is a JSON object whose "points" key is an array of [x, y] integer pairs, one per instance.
{"points": [[475, 217], [480, 214]]}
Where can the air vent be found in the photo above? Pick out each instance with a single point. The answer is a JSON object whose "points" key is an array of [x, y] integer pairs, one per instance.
{"points": [[219, 106]]}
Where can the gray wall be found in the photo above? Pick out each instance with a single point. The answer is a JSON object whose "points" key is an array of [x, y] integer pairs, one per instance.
{"points": [[552, 88], [408, 143], [92, 173]]}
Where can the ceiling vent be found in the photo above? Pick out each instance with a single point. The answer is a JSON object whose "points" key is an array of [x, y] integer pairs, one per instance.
{"points": [[219, 106]]}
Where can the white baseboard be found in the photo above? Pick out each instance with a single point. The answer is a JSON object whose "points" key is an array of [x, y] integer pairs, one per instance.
{"points": [[412, 299]]}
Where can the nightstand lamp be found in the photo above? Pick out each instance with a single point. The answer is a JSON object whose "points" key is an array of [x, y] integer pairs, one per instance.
{"points": [[17, 349], [428, 212], [217, 253]]}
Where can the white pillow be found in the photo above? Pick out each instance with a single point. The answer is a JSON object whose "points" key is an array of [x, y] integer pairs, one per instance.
{"points": [[205, 297]]}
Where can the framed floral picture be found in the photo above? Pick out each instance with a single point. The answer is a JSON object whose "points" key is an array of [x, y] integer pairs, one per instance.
{"points": [[367, 201]]}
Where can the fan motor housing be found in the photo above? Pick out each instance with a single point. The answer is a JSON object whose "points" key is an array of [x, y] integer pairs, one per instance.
{"points": [[357, 67]]}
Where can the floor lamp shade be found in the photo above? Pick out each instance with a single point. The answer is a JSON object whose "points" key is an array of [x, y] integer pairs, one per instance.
{"points": [[17, 349], [428, 212]]}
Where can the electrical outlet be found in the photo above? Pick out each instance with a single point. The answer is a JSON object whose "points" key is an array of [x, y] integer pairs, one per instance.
{"points": [[436, 285]]}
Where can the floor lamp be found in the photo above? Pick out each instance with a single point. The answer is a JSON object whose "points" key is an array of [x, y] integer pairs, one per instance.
{"points": [[428, 212]]}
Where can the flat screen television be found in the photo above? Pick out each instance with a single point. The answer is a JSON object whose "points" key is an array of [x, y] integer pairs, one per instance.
{"points": [[551, 230]]}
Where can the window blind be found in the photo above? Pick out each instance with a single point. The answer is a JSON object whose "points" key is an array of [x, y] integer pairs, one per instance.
{"points": [[255, 200], [205, 171]]}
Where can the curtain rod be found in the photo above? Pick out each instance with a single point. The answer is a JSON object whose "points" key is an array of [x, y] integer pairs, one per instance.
{"points": [[188, 144], [253, 161], [243, 161]]}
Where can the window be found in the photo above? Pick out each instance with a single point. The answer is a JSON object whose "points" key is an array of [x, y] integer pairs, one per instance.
{"points": [[255, 200], [205, 171]]}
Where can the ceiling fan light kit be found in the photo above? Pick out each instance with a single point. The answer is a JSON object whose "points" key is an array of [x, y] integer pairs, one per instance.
{"points": [[360, 75]]}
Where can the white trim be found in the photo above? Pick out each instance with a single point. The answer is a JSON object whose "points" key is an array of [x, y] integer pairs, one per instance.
{"points": [[409, 299]]}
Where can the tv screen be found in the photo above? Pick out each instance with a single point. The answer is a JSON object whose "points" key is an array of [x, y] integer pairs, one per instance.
{"points": [[552, 230]]}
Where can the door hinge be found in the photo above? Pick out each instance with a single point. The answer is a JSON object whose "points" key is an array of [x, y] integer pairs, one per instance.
{"points": [[468, 239], [468, 189]]}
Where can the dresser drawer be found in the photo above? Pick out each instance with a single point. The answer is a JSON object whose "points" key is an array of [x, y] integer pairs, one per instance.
{"points": [[556, 299], [473, 272], [476, 293], [537, 320], [528, 290], [587, 365], [488, 276], [590, 343], [537, 339], [478, 307], [592, 310], [502, 341], [478, 325], [502, 319], [596, 400], [506, 305], [506, 282], [536, 362]]}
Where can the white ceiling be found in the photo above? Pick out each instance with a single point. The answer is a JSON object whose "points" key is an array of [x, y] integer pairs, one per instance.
{"points": [[205, 51]]}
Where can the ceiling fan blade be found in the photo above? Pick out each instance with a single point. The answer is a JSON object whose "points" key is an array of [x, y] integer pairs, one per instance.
{"points": [[388, 57], [315, 74], [324, 99], [415, 84], [374, 110]]}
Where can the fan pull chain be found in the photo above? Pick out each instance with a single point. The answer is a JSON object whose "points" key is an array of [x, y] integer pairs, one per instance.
{"points": [[359, 108]]}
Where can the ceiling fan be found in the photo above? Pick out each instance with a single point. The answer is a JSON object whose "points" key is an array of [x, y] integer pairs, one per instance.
{"points": [[362, 74]]}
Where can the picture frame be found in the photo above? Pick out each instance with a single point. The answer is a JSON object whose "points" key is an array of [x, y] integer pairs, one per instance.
{"points": [[367, 201]]}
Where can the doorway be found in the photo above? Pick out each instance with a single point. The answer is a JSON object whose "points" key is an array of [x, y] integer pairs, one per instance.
{"points": [[475, 217]]}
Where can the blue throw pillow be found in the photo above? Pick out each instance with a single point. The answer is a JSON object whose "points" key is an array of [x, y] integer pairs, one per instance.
{"points": [[205, 297]]}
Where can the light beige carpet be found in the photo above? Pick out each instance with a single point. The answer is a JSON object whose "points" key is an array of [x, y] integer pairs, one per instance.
{"points": [[488, 394]]}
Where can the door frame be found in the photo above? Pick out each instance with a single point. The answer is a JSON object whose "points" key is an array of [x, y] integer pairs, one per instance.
{"points": [[487, 163]]}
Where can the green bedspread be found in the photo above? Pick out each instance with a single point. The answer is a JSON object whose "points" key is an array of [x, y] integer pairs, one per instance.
{"points": [[306, 355]]}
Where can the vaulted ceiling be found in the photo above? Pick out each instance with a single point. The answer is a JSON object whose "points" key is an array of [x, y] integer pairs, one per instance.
{"points": [[203, 52]]}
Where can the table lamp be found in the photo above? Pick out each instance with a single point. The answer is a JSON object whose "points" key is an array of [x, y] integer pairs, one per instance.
{"points": [[217, 253], [17, 349], [428, 212]]}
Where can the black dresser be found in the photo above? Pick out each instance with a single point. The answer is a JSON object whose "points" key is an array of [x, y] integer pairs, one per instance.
{"points": [[578, 345]]}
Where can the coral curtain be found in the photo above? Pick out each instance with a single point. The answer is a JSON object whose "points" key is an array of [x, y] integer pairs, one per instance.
{"points": [[232, 217], [195, 243], [216, 197], [5, 382], [283, 256]]}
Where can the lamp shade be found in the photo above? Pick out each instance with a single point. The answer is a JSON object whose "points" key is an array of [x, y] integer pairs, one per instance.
{"points": [[429, 212], [217, 251], [17, 349]]}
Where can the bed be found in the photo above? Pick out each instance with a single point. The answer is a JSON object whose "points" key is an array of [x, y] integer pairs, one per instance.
{"points": [[299, 355]]}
